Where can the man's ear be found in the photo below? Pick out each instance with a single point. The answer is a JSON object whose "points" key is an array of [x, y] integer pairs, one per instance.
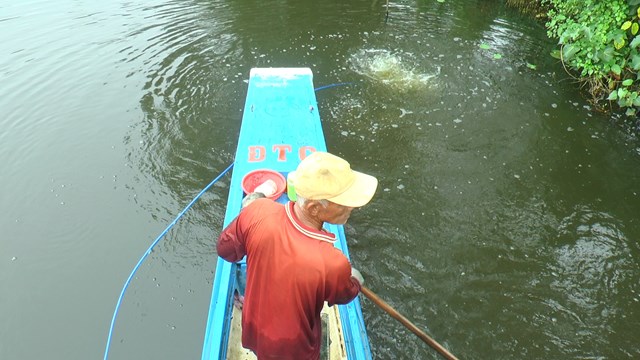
{"points": [[313, 207]]}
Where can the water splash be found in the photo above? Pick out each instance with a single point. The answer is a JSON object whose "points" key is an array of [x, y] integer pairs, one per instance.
{"points": [[392, 69]]}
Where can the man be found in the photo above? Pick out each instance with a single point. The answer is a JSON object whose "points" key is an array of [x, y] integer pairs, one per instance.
{"points": [[292, 264]]}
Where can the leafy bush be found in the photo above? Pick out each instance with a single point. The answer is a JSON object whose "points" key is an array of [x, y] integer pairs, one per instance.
{"points": [[599, 39]]}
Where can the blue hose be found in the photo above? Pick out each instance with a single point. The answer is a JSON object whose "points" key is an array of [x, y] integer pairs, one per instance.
{"points": [[126, 284], [331, 85]]}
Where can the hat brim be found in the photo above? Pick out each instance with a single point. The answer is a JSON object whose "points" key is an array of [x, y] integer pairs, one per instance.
{"points": [[359, 193]]}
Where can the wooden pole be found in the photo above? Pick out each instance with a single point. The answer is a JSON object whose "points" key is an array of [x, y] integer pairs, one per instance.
{"points": [[408, 324]]}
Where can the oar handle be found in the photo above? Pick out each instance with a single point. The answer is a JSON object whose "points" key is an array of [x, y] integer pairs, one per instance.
{"points": [[396, 315]]}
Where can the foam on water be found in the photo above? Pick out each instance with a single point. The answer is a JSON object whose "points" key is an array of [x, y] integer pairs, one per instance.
{"points": [[396, 70]]}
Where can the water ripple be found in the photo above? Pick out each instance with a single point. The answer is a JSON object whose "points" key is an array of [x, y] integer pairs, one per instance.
{"points": [[593, 259], [183, 54]]}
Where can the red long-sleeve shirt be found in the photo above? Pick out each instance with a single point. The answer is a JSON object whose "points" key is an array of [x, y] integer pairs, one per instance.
{"points": [[292, 270]]}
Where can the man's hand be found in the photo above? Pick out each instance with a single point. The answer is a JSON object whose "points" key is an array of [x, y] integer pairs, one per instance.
{"points": [[250, 198], [356, 274]]}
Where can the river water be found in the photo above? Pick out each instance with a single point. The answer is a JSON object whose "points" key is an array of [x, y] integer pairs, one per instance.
{"points": [[506, 223]]}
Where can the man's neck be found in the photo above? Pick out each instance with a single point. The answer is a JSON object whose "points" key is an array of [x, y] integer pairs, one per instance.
{"points": [[305, 218]]}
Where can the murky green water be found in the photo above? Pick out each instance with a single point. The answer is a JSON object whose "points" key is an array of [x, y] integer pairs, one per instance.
{"points": [[506, 224]]}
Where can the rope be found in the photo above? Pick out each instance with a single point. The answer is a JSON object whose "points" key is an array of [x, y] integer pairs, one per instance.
{"points": [[126, 284]]}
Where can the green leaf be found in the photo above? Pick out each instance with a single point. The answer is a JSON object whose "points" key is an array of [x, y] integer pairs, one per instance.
{"points": [[634, 28], [635, 42], [635, 62], [616, 69], [630, 112], [627, 82], [626, 25], [622, 93], [613, 95], [485, 46], [497, 56], [586, 32], [531, 66], [619, 38], [568, 51], [636, 102], [606, 55], [440, 1], [622, 102], [611, 84], [555, 54]]}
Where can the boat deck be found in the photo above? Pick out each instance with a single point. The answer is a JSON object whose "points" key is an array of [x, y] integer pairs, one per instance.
{"points": [[332, 344]]}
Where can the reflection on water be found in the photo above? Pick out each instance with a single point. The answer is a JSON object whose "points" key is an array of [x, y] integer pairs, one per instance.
{"points": [[187, 58]]}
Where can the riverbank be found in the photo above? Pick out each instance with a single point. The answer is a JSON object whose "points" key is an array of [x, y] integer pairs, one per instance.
{"points": [[599, 53]]}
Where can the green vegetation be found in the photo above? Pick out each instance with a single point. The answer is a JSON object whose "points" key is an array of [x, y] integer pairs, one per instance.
{"points": [[600, 41], [485, 46]]}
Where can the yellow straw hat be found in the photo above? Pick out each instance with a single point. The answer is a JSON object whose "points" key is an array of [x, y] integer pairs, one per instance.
{"points": [[324, 176]]}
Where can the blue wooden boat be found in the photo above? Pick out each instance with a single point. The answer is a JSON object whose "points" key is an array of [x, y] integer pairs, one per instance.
{"points": [[280, 126]]}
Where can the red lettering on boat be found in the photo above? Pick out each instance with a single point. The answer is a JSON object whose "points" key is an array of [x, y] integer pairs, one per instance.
{"points": [[305, 151], [257, 153], [282, 151]]}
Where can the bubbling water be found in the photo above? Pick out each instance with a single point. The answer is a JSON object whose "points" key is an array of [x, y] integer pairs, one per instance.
{"points": [[392, 69]]}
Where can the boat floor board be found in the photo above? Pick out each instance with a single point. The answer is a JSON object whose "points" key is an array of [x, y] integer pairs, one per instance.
{"points": [[333, 343], [236, 351], [333, 347]]}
